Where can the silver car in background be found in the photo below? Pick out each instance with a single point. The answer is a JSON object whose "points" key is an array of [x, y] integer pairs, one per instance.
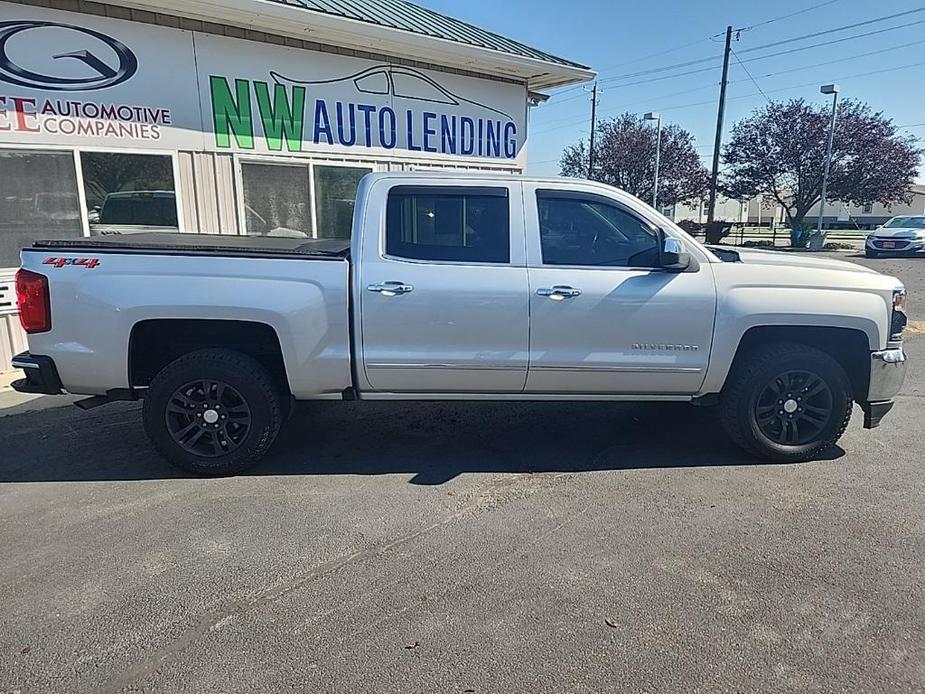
{"points": [[899, 235]]}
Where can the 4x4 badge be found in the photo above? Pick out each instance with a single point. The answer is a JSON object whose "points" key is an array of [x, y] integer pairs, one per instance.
{"points": [[61, 262]]}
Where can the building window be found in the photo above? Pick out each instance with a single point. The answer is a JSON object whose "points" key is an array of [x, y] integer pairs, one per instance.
{"points": [[129, 192], [868, 209], [38, 200], [454, 225], [335, 194], [277, 200]]}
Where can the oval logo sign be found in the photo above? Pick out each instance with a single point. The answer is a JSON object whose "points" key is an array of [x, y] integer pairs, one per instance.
{"points": [[105, 72]]}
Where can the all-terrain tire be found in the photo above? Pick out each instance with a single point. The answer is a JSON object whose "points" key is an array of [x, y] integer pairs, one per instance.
{"points": [[241, 404], [750, 388]]}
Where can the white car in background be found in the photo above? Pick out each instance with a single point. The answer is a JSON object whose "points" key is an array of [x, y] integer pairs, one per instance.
{"points": [[899, 235]]}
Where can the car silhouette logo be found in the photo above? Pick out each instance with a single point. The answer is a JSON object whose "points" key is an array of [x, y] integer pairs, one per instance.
{"points": [[397, 81], [118, 65]]}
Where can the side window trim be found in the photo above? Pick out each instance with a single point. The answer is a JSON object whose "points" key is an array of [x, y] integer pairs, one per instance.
{"points": [[593, 197], [446, 191]]}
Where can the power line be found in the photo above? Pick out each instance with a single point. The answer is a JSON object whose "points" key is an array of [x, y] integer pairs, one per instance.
{"points": [[806, 84], [754, 81], [833, 41], [841, 60], [678, 107], [565, 101], [647, 100], [775, 44], [650, 71], [675, 49], [792, 14], [770, 55], [648, 56], [845, 27]]}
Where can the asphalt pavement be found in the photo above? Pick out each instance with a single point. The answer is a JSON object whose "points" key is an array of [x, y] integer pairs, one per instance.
{"points": [[467, 548]]}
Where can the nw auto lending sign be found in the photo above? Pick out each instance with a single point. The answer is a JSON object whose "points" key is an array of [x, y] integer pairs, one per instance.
{"points": [[77, 80]]}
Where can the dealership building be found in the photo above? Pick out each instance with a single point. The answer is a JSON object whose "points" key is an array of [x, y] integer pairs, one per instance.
{"points": [[241, 116]]}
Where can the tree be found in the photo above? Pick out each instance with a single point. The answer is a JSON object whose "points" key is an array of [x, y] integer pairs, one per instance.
{"points": [[625, 157], [780, 151]]}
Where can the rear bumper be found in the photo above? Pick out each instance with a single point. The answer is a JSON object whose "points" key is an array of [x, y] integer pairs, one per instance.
{"points": [[887, 373], [41, 375]]}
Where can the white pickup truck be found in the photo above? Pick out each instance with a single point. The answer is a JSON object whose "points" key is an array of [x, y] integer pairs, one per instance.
{"points": [[459, 287]]}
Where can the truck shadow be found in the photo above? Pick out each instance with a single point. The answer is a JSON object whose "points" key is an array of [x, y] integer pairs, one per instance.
{"points": [[434, 442]]}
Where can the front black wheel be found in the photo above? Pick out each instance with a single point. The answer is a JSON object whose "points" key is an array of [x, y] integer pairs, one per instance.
{"points": [[787, 402], [871, 254], [213, 412]]}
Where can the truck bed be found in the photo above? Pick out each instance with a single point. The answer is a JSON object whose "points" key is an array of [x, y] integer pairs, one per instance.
{"points": [[170, 243]]}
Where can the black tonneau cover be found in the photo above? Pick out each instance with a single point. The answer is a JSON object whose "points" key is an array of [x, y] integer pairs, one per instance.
{"points": [[167, 243]]}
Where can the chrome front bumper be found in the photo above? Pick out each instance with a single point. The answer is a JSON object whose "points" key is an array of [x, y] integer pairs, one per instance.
{"points": [[901, 245], [887, 373]]}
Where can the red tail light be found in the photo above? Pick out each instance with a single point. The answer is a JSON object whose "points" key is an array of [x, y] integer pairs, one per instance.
{"points": [[34, 303]]}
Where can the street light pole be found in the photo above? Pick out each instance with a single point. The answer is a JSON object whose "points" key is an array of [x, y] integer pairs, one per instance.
{"points": [[818, 241], [658, 153]]}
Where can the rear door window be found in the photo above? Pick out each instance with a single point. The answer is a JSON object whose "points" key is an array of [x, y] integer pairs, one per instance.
{"points": [[470, 225]]}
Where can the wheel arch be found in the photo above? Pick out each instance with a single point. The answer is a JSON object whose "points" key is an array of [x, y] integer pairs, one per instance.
{"points": [[850, 347], [154, 343]]}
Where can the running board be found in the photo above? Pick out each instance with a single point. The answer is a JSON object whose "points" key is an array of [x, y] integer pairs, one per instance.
{"points": [[114, 395]]}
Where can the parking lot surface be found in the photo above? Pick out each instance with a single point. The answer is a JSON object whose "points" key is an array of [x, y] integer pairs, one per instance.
{"points": [[467, 548]]}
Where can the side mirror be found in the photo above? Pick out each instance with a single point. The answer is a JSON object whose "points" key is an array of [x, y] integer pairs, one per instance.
{"points": [[672, 257]]}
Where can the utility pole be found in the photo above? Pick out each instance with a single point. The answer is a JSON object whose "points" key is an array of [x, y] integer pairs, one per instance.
{"points": [[718, 142], [593, 129]]}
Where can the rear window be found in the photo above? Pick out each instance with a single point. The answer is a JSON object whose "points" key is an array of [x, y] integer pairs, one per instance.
{"points": [[140, 209], [449, 224]]}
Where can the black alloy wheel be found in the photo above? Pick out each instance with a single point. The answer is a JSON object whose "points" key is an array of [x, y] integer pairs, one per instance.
{"points": [[786, 401], [208, 418], [794, 407], [214, 411]]}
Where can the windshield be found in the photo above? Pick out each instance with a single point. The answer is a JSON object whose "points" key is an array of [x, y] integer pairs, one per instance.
{"points": [[906, 223]]}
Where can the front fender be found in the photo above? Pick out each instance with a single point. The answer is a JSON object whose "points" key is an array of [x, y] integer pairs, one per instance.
{"points": [[741, 309]]}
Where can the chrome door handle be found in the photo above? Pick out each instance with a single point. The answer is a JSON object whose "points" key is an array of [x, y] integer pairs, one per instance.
{"points": [[391, 288], [559, 292]]}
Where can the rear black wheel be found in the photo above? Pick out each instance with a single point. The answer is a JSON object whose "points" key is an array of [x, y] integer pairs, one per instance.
{"points": [[786, 402], [208, 418], [213, 412]]}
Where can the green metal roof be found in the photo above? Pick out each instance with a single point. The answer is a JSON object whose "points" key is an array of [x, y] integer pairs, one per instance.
{"points": [[399, 14]]}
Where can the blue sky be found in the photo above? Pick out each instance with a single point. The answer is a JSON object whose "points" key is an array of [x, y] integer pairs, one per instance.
{"points": [[618, 38]]}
